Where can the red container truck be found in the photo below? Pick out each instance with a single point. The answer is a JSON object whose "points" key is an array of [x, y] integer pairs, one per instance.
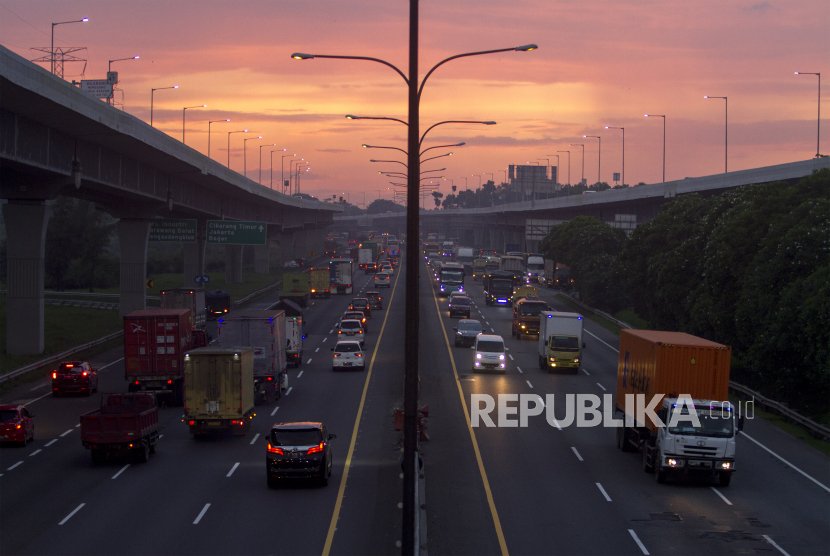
{"points": [[124, 424], [155, 342]]}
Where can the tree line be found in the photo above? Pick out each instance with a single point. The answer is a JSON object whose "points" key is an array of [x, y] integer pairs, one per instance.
{"points": [[749, 268]]}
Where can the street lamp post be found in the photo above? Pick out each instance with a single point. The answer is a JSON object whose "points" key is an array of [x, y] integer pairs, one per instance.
{"points": [[229, 143], [583, 161], [272, 164], [599, 156], [623, 152], [290, 174], [282, 169], [109, 69], [52, 49], [466, 190], [569, 165], [213, 122], [152, 92], [184, 110], [818, 131], [725, 133], [260, 160], [664, 140], [245, 154], [411, 380]]}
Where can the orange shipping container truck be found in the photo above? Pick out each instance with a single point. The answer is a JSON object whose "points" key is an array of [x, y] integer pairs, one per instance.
{"points": [[671, 365]]}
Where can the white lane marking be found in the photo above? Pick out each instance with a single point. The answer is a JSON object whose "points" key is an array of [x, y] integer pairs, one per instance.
{"points": [[510, 356], [519, 369], [487, 323], [316, 350], [773, 543], [275, 410], [492, 329], [324, 339], [120, 471], [639, 543], [78, 426], [160, 436], [604, 342], [300, 374], [255, 437], [721, 495], [201, 514], [67, 432], [331, 331], [109, 364], [577, 454], [36, 452], [39, 387], [529, 384], [235, 465], [602, 490], [601, 386], [289, 390], [586, 372], [785, 461], [15, 465], [73, 512], [307, 363], [51, 442]]}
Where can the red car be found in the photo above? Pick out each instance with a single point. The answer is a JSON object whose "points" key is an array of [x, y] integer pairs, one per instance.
{"points": [[16, 424], [74, 376]]}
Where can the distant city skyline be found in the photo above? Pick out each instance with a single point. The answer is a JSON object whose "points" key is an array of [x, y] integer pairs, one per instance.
{"points": [[598, 64]]}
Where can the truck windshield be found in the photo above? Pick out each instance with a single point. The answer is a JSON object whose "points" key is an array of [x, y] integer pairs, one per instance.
{"points": [[532, 309], [715, 423], [564, 343], [535, 266], [503, 285], [302, 437], [491, 267], [451, 277], [490, 346]]}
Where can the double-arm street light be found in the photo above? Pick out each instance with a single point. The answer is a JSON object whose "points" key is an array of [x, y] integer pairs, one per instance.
{"points": [[52, 48], [818, 132], [229, 143], [664, 140], [184, 110], [623, 151], [213, 122], [725, 132], [109, 69], [260, 160], [599, 155], [409, 518], [569, 165], [583, 160], [245, 154], [272, 163], [152, 92], [282, 170]]}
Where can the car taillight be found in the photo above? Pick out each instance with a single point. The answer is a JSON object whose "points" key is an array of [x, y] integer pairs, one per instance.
{"points": [[359, 354], [18, 426], [337, 355], [191, 423], [233, 422], [270, 378], [275, 450], [136, 383], [54, 375], [84, 373], [339, 331], [169, 382], [316, 449]]}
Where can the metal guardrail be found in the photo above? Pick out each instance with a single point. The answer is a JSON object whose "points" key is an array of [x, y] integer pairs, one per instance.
{"points": [[256, 293], [52, 293], [59, 356], [816, 429]]}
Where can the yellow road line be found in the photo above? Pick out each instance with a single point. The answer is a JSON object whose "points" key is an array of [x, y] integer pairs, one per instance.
{"points": [[493, 512], [336, 515]]}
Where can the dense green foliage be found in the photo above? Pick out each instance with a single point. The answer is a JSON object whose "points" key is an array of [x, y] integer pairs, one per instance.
{"points": [[749, 268]]}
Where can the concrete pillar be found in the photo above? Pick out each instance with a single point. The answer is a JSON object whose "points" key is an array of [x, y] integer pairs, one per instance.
{"points": [[26, 250], [478, 238], [233, 264], [194, 260], [262, 257], [300, 241], [493, 239], [133, 235]]}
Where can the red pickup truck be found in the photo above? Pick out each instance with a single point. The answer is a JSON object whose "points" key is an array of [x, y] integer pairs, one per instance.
{"points": [[125, 424]]}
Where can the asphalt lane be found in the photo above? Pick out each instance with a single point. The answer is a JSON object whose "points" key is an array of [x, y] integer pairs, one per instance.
{"points": [[210, 497]]}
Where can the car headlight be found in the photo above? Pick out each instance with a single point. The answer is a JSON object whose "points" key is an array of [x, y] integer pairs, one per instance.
{"points": [[459, 333], [501, 357], [478, 364], [478, 356], [552, 359], [576, 359], [523, 326]]}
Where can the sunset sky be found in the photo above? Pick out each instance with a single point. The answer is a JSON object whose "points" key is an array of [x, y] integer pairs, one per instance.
{"points": [[599, 63]]}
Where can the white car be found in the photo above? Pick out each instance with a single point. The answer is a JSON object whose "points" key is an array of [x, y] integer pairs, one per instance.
{"points": [[350, 329], [387, 268], [348, 355], [489, 354], [382, 279]]}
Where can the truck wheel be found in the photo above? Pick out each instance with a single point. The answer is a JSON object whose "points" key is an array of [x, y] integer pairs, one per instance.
{"points": [[142, 454], [98, 455], [648, 451], [152, 448], [724, 479]]}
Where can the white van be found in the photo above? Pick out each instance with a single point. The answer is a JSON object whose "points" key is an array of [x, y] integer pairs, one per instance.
{"points": [[490, 354]]}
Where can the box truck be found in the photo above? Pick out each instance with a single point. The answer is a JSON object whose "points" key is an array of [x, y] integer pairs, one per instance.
{"points": [[527, 313], [690, 377], [219, 390], [560, 341], [264, 332], [124, 424], [193, 299], [294, 330], [296, 287], [341, 274], [320, 282], [366, 260], [155, 341]]}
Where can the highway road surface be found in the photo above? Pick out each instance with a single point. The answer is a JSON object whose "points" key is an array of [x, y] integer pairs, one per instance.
{"points": [[524, 490]]}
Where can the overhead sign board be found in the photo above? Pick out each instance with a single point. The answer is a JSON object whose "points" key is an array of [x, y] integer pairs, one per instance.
{"points": [[232, 232], [99, 88], [174, 230]]}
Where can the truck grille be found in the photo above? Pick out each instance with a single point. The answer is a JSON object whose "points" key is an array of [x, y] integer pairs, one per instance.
{"points": [[704, 451]]}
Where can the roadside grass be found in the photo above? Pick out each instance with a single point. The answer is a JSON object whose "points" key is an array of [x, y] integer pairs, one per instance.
{"points": [[632, 318], [251, 282], [603, 322]]}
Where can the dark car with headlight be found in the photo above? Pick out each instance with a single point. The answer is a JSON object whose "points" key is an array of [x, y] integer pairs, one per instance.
{"points": [[460, 306], [298, 450], [466, 332]]}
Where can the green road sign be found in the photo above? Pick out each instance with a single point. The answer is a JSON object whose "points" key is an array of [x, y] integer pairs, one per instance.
{"points": [[232, 232], [173, 230]]}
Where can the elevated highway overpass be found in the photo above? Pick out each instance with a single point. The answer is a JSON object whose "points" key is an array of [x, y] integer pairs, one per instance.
{"points": [[56, 140]]}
